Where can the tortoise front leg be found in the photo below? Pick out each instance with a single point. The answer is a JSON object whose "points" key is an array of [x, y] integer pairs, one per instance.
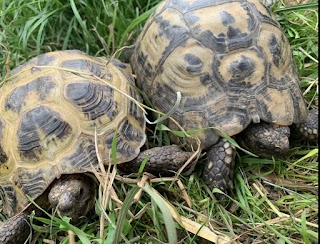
{"points": [[309, 129], [15, 230], [219, 167]]}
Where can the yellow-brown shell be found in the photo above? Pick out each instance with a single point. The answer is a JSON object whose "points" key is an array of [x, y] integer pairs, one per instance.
{"points": [[50, 111], [229, 59]]}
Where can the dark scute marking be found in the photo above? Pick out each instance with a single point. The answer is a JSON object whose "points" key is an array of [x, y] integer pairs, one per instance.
{"points": [[232, 112], [184, 5], [205, 79], [118, 64], [168, 94], [226, 18], [241, 69], [296, 96], [129, 132], [31, 181], [252, 16], [112, 112], [22, 67], [3, 156], [267, 10], [165, 28], [190, 18], [135, 111], [275, 50], [123, 148], [40, 60], [195, 64], [192, 59], [236, 39], [40, 87], [84, 159], [214, 43], [8, 195], [94, 100], [147, 69], [44, 59], [280, 83], [176, 35], [109, 139], [40, 119], [163, 24], [233, 32], [251, 24], [264, 111], [82, 65]]}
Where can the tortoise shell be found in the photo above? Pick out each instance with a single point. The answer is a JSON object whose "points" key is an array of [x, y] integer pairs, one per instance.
{"points": [[50, 112], [229, 59]]}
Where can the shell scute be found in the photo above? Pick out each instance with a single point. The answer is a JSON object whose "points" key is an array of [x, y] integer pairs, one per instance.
{"points": [[25, 96], [41, 133], [93, 100]]}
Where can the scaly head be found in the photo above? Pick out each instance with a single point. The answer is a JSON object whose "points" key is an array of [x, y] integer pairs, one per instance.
{"points": [[73, 195]]}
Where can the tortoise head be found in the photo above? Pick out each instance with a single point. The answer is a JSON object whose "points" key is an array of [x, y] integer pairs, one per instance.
{"points": [[264, 139], [73, 195]]}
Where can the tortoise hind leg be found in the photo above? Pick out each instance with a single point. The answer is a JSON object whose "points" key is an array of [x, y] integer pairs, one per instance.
{"points": [[15, 230], [219, 168]]}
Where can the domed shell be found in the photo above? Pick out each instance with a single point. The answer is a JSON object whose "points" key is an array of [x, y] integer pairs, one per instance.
{"points": [[230, 61], [52, 111]]}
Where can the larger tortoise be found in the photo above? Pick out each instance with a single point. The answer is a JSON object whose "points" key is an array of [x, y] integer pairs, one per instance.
{"points": [[54, 110], [234, 68]]}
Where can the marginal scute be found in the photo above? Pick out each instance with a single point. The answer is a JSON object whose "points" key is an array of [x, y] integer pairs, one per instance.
{"points": [[130, 132], [135, 111], [9, 197], [123, 148], [3, 155], [82, 159]]}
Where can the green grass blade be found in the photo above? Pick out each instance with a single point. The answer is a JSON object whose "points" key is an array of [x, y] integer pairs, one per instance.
{"points": [[123, 213], [168, 220]]}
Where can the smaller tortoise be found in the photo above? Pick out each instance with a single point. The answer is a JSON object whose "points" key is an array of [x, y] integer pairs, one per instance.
{"points": [[50, 111], [234, 68]]}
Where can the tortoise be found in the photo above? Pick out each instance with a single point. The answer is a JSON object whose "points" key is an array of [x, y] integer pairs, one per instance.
{"points": [[52, 112], [234, 68]]}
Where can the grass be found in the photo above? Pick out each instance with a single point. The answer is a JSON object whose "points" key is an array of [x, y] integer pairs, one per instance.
{"points": [[275, 200]]}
